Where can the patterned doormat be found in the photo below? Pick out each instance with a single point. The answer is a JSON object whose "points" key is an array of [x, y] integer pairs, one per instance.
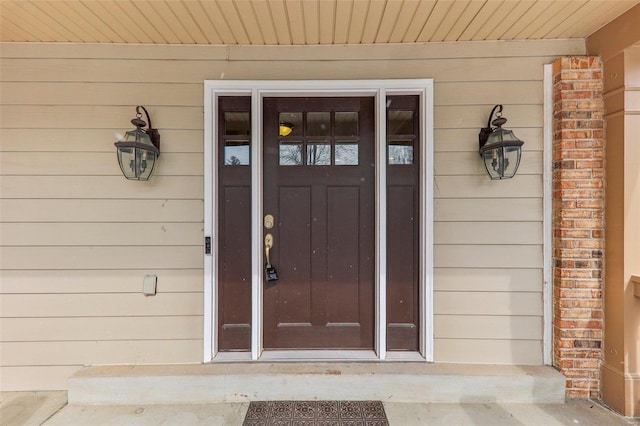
{"points": [[316, 413]]}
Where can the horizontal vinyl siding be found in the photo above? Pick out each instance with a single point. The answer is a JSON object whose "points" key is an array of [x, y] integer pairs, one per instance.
{"points": [[101, 352], [60, 329], [76, 238], [108, 234], [487, 234], [100, 257], [87, 281], [100, 305], [92, 140], [49, 210]]}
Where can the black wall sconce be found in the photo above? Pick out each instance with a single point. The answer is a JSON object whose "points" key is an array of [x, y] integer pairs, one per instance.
{"points": [[500, 149], [139, 150]]}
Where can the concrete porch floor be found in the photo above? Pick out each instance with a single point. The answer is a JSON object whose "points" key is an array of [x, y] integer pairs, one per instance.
{"points": [[51, 409]]}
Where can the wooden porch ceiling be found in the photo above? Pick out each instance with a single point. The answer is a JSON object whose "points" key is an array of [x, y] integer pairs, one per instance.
{"points": [[302, 22]]}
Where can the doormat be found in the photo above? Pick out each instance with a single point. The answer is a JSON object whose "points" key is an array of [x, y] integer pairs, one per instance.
{"points": [[316, 413]]}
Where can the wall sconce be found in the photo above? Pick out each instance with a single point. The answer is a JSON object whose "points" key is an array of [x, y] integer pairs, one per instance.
{"points": [[285, 128], [500, 149], [139, 150]]}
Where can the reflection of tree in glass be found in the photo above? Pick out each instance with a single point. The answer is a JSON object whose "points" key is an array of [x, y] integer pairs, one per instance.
{"points": [[233, 161], [347, 154], [318, 154], [290, 154], [405, 156], [400, 154]]}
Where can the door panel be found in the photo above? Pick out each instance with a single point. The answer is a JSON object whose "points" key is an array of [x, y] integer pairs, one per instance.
{"points": [[343, 238], [293, 245], [319, 186]]}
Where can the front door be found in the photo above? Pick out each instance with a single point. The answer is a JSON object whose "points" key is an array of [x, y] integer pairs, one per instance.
{"points": [[319, 172]]}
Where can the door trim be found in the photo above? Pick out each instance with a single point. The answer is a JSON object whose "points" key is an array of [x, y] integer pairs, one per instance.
{"points": [[547, 219], [379, 89]]}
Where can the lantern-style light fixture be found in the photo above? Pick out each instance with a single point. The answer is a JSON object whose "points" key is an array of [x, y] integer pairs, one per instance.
{"points": [[500, 149], [139, 150]]}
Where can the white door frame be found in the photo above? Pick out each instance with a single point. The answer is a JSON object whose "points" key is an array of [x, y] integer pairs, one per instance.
{"points": [[379, 89]]}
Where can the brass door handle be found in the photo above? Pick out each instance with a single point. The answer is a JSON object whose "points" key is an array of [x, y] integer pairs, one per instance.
{"points": [[268, 243], [270, 273]]}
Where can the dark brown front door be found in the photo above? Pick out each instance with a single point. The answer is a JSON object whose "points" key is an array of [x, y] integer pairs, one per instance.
{"points": [[319, 174]]}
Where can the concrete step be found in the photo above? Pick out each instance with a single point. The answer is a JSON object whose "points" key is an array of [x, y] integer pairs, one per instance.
{"points": [[259, 381]]}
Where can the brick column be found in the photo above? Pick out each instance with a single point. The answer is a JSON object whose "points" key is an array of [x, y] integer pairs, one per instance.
{"points": [[578, 223]]}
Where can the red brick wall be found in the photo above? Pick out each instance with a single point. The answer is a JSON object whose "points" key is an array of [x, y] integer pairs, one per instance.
{"points": [[578, 222]]}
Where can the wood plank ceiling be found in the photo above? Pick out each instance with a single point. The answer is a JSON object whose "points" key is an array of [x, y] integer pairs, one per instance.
{"points": [[301, 22]]}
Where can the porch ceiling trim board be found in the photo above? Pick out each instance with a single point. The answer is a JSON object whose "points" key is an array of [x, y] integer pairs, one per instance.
{"points": [[318, 53]]}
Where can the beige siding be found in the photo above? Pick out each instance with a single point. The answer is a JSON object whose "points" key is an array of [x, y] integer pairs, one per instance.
{"points": [[95, 210], [83, 281], [77, 238], [97, 163], [455, 326], [102, 328], [100, 305], [112, 234], [489, 351], [92, 140], [115, 187], [100, 257], [100, 352], [504, 279]]}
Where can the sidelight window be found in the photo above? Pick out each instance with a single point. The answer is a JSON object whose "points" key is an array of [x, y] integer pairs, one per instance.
{"points": [[400, 135], [237, 134]]}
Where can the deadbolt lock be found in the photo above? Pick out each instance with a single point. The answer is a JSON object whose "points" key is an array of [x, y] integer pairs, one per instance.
{"points": [[268, 222]]}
